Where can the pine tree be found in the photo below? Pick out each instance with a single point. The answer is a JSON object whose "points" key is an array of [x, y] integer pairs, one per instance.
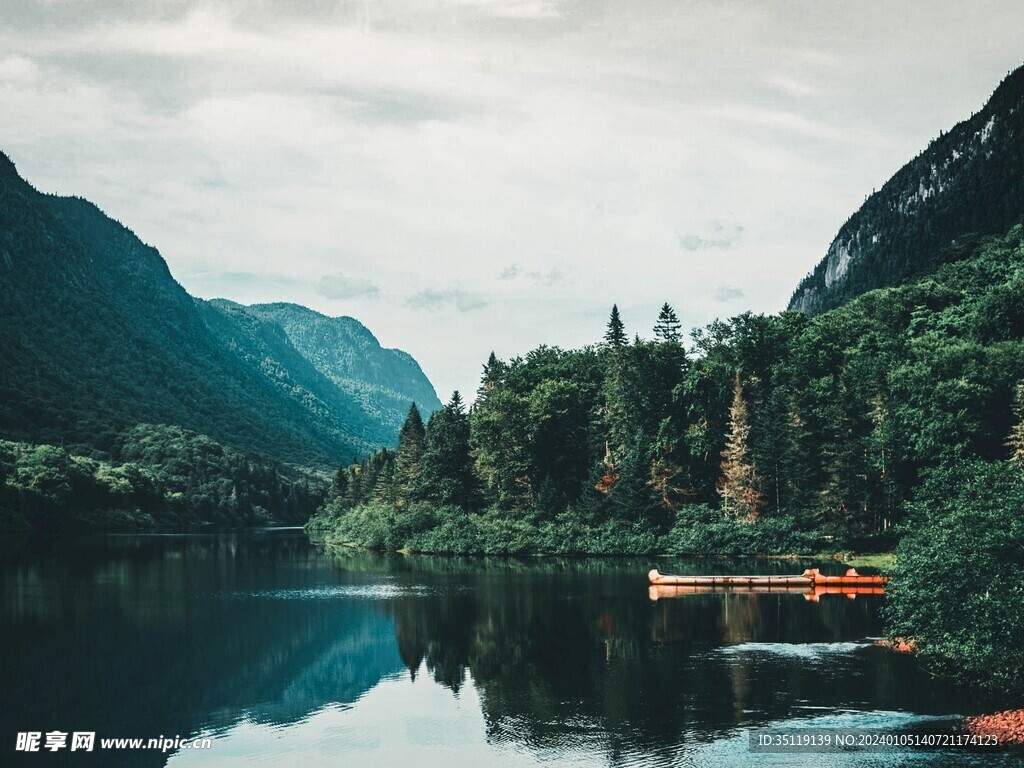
{"points": [[380, 485], [615, 335], [668, 328], [774, 431], [842, 500], [668, 480], [493, 371], [738, 486], [615, 413], [632, 497], [447, 473], [670, 475], [500, 439], [1015, 440], [456, 405], [559, 443], [353, 493], [340, 486], [849, 449], [408, 461], [883, 487]]}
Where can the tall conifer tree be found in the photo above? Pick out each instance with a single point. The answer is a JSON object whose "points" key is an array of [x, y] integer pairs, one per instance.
{"points": [[340, 486], [615, 335], [739, 483], [408, 461], [668, 328], [447, 475], [493, 371]]}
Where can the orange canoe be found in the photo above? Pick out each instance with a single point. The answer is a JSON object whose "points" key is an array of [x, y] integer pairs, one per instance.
{"points": [[809, 578], [729, 581], [850, 579]]}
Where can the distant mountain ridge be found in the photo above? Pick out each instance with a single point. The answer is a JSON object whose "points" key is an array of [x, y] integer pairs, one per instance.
{"points": [[969, 181], [97, 336], [381, 382]]}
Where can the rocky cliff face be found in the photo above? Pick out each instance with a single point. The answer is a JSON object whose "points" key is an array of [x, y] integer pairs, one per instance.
{"points": [[969, 181]]}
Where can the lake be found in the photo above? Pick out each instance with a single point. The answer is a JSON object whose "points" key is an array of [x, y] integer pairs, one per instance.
{"points": [[282, 652]]}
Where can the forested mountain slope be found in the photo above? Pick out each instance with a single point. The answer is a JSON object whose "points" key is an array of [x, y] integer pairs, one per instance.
{"points": [[381, 382], [97, 337], [969, 181]]}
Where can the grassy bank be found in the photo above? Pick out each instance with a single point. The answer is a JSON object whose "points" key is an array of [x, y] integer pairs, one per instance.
{"points": [[697, 530]]}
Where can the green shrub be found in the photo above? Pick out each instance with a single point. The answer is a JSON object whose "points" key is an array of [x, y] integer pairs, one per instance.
{"points": [[703, 530], [699, 530], [958, 586]]}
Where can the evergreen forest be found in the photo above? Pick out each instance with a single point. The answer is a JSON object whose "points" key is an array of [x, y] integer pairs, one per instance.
{"points": [[894, 421]]}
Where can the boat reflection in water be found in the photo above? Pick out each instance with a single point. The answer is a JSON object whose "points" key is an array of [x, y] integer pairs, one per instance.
{"points": [[812, 584], [812, 593]]}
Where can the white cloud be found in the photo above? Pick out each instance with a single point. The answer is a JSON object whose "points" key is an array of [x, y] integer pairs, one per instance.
{"points": [[436, 299], [717, 236], [338, 286], [548, 277], [515, 9], [727, 293], [16, 68]]}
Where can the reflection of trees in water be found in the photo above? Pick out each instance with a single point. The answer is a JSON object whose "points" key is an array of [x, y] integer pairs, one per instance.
{"points": [[150, 636], [559, 654], [444, 640]]}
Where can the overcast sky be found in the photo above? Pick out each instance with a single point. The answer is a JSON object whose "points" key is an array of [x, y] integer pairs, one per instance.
{"points": [[469, 175]]}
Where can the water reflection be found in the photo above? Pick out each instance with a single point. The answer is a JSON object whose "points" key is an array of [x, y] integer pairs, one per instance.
{"points": [[153, 636], [813, 593], [574, 652], [296, 655]]}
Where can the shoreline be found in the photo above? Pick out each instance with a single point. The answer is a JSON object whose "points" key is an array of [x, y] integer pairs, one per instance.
{"points": [[879, 560]]}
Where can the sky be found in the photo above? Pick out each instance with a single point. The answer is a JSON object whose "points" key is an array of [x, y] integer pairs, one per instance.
{"points": [[465, 176]]}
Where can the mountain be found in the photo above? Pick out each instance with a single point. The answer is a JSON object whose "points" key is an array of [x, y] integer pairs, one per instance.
{"points": [[335, 364], [968, 182], [382, 381], [98, 337]]}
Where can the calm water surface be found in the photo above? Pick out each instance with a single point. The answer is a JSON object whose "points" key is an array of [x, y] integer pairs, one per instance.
{"points": [[284, 653]]}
